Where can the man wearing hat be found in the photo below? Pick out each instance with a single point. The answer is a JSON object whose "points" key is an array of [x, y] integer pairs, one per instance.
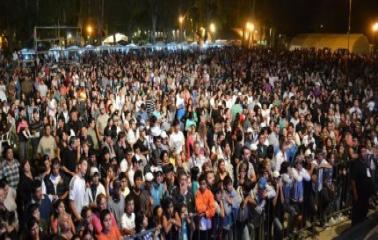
{"points": [[249, 137], [95, 187]]}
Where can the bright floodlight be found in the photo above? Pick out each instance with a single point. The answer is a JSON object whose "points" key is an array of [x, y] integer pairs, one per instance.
{"points": [[375, 27], [181, 19], [212, 28], [249, 26], [69, 35], [89, 29]]}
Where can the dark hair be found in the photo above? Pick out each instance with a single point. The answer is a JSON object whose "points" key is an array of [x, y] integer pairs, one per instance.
{"points": [[82, 160], [55, 161], [165, 203], [121, 135], [202, 177], [227, 180], [32, 207], [103, 214], [72, 140], [123, 175], [84, 211], [22, 165], [99, 197], [56, 205], [6, 148], [128, 199], [36, 184], [194, 171], [139, 221], [3, 183], [32, 221], [138, 174]]}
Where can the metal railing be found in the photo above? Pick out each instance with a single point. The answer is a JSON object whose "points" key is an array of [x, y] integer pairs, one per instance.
{"points": [[144, 234]]}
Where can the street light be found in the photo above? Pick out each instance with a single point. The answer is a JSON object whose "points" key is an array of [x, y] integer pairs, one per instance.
{"points": [[212, 28], [250, 26], [89, 29], [374, 27], [181, 21]]}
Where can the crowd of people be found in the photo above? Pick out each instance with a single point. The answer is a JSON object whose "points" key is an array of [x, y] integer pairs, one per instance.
{"points": [[225, 143]]}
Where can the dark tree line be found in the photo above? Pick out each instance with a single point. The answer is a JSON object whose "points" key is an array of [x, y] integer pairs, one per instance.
{"points": [[18, 17]]}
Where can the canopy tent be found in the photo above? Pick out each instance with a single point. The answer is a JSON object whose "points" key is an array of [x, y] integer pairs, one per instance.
{"points": [[358, 43], [115, 38]]}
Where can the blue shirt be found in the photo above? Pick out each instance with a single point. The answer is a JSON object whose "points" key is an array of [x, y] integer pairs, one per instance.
{"points": [[156, 193]]}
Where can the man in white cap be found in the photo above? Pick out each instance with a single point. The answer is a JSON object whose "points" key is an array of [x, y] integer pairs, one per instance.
{"points": [[249, 137], [95, 188]]}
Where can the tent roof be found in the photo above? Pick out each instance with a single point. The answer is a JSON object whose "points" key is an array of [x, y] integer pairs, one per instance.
{"points": [[116, 36], [358, 43]]}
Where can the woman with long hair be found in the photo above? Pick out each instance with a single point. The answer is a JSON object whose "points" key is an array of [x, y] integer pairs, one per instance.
{"points": [[24, 188], [171, 220], [59, 210], [33, 230]]}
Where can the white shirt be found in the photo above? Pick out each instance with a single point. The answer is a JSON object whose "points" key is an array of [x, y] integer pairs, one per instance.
{"points": [[176, 142], [42, 89], [278, 160], [128, 222], [131, 137], [77, 192], [54, 180], [89, 198], [130, 174], [197, 161]]}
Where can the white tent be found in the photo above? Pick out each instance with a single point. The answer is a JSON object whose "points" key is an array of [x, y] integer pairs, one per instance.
{"points": [[132, 46], [72, 48], [358, 43], [117, 37]]}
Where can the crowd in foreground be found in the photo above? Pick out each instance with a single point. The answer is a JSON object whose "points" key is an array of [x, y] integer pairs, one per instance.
{"points": [[218, 144]]}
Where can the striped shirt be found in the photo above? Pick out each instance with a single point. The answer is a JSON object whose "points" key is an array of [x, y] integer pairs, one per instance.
{"points": [[150, 106]]}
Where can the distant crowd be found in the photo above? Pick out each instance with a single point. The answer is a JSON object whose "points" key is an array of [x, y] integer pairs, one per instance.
{"points": [[225, 143]]}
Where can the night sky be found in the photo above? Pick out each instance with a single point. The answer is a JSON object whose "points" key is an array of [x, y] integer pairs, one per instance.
{"points": [[18, 17], [294, 16]]}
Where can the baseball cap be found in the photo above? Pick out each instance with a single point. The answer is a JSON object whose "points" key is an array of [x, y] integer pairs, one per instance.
{"points": [[308, 153], [249, 130], [149, 177], [94, 171], [163, 134], [253, 147]]}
